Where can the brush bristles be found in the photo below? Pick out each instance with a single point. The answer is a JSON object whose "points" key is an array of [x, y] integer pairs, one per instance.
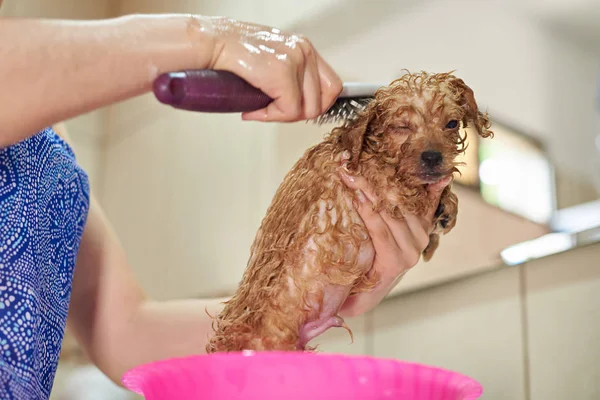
{"points": [[343, 110]]}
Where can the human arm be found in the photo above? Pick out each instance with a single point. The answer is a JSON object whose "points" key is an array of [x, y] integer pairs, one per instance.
{"points": [[53, 70], [117, 325], [398, 243]]}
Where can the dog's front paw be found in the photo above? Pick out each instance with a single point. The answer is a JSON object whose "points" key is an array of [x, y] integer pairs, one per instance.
{"points": [[440, 219], [444, 218], [434, 241]]}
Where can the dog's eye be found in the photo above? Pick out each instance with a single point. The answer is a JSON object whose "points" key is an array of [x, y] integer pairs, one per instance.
{"points": [[452, 124]]}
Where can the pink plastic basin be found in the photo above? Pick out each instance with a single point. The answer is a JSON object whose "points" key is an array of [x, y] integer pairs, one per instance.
{"points": [[295, 376]]}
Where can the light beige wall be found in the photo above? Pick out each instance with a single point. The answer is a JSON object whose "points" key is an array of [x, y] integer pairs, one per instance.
{"points": [[75, 9], [280, 13], [526, 333], [182, 192]]}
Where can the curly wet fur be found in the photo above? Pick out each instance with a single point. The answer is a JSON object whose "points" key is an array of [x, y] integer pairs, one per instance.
{"points": [[312, 249]]}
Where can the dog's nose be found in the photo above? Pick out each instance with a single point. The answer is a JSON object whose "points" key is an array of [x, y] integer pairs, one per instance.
{"points": [[431, 158]]}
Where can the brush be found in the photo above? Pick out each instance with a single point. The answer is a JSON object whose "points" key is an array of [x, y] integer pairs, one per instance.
{"points": [[215, 91]]}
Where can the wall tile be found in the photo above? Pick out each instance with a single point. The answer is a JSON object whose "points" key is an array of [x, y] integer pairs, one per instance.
{"points": [[472, 327], [563, 306]]}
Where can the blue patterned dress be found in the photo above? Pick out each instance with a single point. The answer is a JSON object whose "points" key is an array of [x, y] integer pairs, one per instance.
{"points": [[44, 202]]}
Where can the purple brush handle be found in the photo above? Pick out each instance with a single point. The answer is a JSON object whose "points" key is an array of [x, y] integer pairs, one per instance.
{"points": [[209, 91]]}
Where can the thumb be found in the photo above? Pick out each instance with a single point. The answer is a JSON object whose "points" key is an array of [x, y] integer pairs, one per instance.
{"points": [[435, 193]]}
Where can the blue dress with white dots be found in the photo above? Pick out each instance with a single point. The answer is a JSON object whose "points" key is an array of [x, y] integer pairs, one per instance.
{"points": [[44, 202]]}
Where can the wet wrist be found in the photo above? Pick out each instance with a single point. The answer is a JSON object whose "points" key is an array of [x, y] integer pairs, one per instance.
{"points": [[201, 34], [171, 42]]}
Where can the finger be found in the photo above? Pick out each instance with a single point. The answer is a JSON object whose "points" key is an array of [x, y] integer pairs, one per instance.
{"points": [[358, 183], [410, 234], [420, 228], [435, 193], [258, 115], [331, 84], [392, 240], [311, 93], [284, 108], [380, 234], [402, 233], [286, 92]]}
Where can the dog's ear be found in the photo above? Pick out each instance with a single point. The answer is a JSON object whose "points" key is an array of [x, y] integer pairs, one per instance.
{"points": [[352, 136], [472, 117]]}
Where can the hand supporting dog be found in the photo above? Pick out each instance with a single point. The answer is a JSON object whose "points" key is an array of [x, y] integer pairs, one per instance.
{"points": [[398, 243]]}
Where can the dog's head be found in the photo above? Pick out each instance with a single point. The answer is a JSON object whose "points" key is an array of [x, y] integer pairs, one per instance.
{"points": [[415, 123]]}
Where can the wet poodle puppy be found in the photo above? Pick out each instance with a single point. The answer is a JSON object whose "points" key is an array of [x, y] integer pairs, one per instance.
{"points": [[312, 250]]}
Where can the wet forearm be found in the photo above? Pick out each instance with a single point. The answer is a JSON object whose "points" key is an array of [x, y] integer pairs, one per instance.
{"points": [[52, 70], [161, 330]]}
